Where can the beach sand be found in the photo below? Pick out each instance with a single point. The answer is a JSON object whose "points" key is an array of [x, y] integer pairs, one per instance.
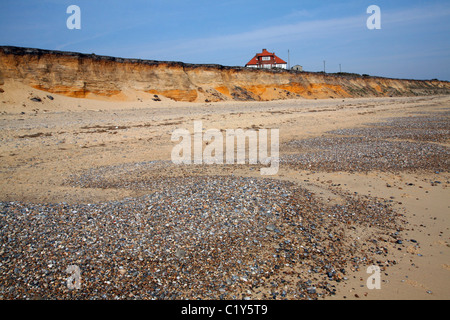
{"points": [[82, 151]]}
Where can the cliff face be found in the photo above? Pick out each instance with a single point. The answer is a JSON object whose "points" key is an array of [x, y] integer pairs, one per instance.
{"points": [[89, 76]]}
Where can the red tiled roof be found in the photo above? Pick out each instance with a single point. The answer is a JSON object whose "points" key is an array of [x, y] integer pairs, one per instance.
{"points": [[253, 61], [279, 61], [265, 53]]}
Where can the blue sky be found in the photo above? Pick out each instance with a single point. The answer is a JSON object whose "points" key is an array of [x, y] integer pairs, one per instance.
{"points": [[413, 42]]}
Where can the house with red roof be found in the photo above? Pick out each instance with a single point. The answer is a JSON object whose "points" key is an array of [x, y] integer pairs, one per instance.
{"points": [[266, 59]]}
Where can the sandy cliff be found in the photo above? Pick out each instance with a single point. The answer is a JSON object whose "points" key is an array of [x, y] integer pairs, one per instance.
{"points": [[92, 76]]}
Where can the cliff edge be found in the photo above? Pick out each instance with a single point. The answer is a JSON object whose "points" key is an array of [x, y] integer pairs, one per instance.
{"points": [[91, 76]]}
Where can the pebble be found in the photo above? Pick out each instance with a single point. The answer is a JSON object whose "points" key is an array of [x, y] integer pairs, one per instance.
{"points": [[188, 237], [401, 144], [198, 236], [311, 290], [272, 227], [433, 127]]}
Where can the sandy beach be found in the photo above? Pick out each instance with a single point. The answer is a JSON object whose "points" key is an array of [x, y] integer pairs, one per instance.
{"points": [[86, 182]]}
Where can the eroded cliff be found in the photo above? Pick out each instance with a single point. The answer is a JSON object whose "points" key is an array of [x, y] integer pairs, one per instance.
{"points": [[90, 76]]}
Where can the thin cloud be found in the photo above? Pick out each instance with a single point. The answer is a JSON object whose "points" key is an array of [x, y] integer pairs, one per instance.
{"points": [[82, 40], [273, 34], [415, 14], [345, 27]]}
